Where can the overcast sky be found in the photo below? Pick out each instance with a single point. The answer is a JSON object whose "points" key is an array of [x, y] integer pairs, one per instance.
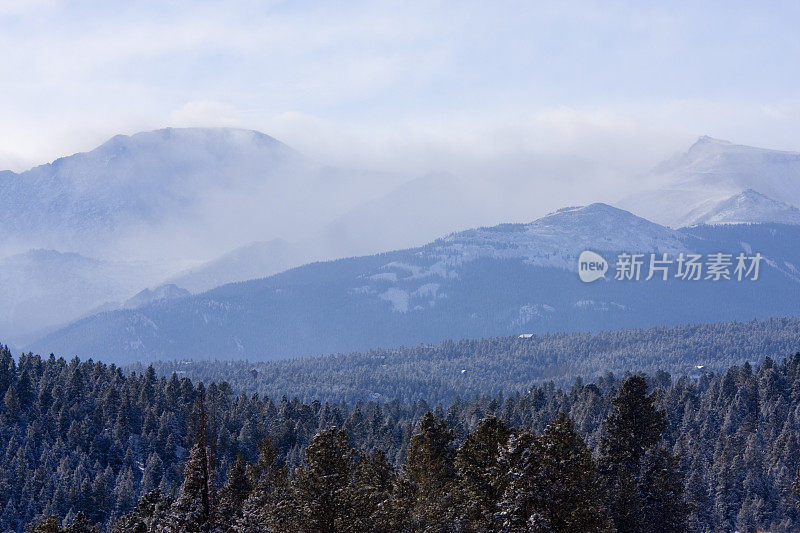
{"points": [[422, 86]]}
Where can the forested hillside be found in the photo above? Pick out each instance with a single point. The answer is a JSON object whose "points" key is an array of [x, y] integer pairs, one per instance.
{"points": [[443, 372], [87, 443]]}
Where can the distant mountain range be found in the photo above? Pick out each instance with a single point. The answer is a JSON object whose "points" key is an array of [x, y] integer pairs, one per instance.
{"points": [[254, 260], [718, 182], [143, 209], [200, 208], [177, 193], [507, 279], [41, 289]]}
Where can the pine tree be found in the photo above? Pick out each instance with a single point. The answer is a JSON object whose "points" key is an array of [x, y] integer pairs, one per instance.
{"points": [[518, 465], [49, 525], [370, 494], [697, 493], [81, 524], [150, 511], [153, 472], [124, 493], [270, 504], [430, 473], [193, 511], [796, 489], [634, 426], [8, 370], [261, 478], [320, 485], [13, 406], [662, 486], [475, 463], [551, 483], [571, 498], [233, 494], [284, 513]]}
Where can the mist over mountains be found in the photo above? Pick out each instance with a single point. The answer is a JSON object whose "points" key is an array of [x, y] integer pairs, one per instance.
{"points": [[198, 208], [502, 280]]}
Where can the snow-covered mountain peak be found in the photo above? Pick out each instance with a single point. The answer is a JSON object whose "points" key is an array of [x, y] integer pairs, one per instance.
{"points": [[210, 138], [706, 141], [134, 193], [144, 157], [558, 238], [711, 172], [598, 209], [747, 207]]}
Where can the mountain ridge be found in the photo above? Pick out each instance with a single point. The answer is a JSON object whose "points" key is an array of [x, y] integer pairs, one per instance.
{"points": [[713, 171], [508, 279]]}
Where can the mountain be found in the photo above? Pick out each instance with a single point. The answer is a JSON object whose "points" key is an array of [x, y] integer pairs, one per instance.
{"points": [[86, 200], [176, 192], [747, 207], [169, 291], [254, 260], [410, 215], [139, 210], [717, 181], [42, 289], [502, 280]]}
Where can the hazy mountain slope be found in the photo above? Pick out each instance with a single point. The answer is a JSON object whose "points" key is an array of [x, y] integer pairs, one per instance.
{"points": [[413, 214], [254, 260], [748, 207], [149, 205], [146, 296], [44, 288], [88, 199], [176, 193], [690, 188], [508, 279]]}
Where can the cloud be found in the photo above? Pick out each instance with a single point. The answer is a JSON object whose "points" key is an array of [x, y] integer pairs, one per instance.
{"points": [[206, 114], [412, 87], [9, 8]]}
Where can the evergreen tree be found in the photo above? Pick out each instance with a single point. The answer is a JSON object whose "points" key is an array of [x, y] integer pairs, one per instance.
{"points": [[77, 524], [8, 369], [701, 504], [153, 473], [571, 496], [49, 525], [320, 485], [661, 484], [634, 426], [479, 485], [233, 494], [81, 524], [262, 478], [429, 472], [370, 494], [193, 511], [150, 511], [736, 434], [551, 483], [518, 466]]}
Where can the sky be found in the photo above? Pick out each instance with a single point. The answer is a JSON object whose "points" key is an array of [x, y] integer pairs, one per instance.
{"points": [[415, 87]]}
